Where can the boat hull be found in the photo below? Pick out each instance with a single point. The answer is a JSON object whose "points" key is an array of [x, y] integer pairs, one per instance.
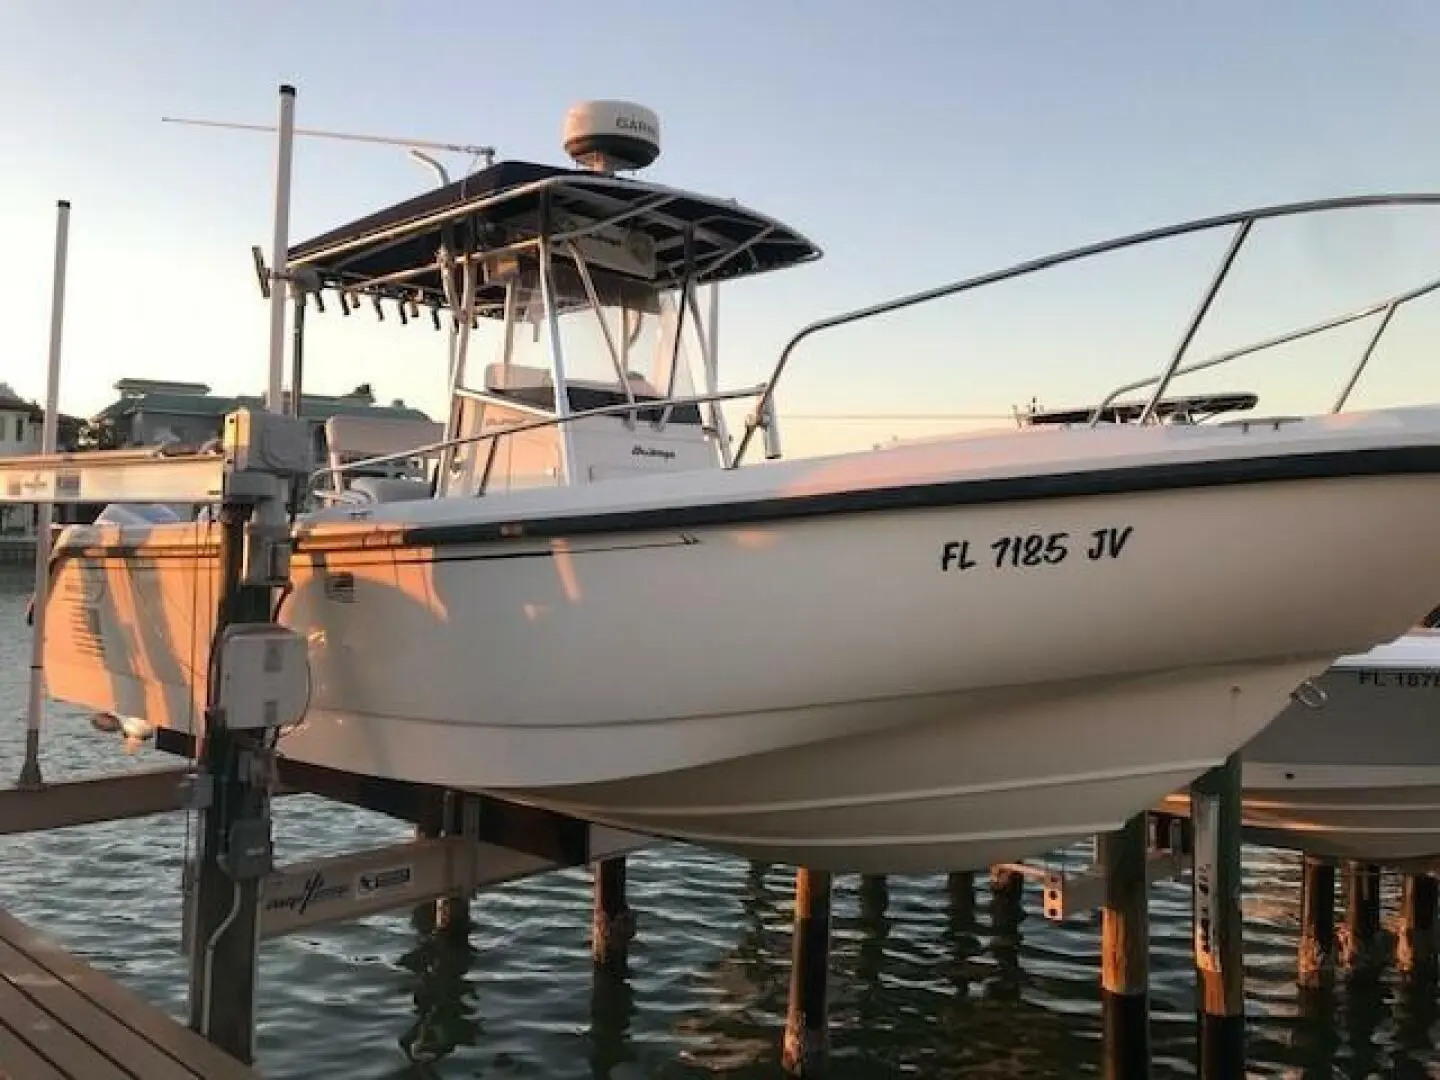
{"points": [[1357, 776], [951, 678]]}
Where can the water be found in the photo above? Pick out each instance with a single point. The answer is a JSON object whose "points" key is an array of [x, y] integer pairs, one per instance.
{"points": [[922, 983]]}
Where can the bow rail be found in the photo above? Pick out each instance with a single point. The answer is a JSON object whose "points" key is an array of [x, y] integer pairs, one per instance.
{"points": [[1243, 221]]}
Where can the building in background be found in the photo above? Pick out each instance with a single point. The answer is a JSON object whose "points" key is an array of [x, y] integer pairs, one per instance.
{"points": [[22, 423], [152, 412]]}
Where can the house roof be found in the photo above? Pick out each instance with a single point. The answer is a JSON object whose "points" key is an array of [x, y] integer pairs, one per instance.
{"points": [[10, 402]]}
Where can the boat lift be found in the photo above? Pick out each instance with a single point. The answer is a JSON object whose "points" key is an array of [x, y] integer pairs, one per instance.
{"points": [[237, 896]]}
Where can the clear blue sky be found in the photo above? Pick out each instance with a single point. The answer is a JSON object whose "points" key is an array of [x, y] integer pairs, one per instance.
{"points": [[914, 141]]}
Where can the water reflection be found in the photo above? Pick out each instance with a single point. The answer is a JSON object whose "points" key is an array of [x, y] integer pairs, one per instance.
{"points": [[612, 1009], [1417, 1009], [443, 991]]}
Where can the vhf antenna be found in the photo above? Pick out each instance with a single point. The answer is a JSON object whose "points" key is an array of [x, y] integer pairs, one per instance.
{"points": [[416, 147]]}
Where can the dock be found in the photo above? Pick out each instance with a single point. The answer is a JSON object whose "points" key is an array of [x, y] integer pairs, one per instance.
{"points": [[60, 1018]]}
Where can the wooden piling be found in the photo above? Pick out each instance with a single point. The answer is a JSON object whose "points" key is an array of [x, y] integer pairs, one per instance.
{"points": [[1317, 922], [613, 923], [445, 916], [960, 887], [234, 849], [1360, 942], [1219, 948], [1125, 949], [1007, 899], [1415, 941], [1007, 913], [807, 1041]]}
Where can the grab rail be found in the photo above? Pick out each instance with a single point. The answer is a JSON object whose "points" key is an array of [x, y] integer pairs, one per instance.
{"points": [[1389, 306], [429, 449], [1245, 220]]}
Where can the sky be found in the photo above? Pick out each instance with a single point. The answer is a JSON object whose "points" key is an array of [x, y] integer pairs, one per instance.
{"points": [[915, 142]]}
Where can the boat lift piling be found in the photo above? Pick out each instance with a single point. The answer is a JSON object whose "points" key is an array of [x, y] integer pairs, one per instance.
{"points": [[1361, 943], [447, 915], [1316, 959], [1125, 951], [960, 885], [613, 921], [1415, 934], [235, 851], [1219, 946], [806, 1046], [1007, 895]]}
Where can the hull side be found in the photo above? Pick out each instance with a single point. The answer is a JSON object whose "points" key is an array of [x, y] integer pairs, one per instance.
{"points": [[987, 777], [580, 662], [712, 683]]}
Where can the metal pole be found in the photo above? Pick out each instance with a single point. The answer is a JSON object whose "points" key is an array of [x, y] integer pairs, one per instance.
{"points": [[1365, 357], [1199, 317], [570, 474], [50, 433], [297, 356], [235, 849], [712, 376], [279, 251]]}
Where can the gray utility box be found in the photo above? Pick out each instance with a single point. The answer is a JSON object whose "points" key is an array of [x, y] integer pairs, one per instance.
{"points": [[264, 676]]}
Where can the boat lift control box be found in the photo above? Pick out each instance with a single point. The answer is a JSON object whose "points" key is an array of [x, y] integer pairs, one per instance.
{"points": [[264, 676]]}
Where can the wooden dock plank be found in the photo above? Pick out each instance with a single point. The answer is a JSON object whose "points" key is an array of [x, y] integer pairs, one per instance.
{"points": [[19, 1062], [144, 1021], [130, 1050], [52, 1040]]}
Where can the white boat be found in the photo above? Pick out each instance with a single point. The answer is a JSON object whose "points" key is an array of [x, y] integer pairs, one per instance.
{"points": [[1351, 769], [937, 655]]}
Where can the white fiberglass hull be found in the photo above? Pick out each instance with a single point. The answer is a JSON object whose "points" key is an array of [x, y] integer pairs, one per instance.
{"points": [[1357, 777], [889, 686]]}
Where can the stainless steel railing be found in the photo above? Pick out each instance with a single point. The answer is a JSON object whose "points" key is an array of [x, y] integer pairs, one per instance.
{"points": [[1244, 221]]}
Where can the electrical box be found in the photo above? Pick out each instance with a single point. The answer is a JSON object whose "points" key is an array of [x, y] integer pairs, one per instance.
{"points": [[264, 676], [260, 441], [249, 853]]}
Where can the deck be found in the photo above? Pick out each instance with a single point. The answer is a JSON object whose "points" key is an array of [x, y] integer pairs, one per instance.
{"points": [[61, 1019]]}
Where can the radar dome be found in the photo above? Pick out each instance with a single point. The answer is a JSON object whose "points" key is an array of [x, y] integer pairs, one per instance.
{"points": [[611, 135]]}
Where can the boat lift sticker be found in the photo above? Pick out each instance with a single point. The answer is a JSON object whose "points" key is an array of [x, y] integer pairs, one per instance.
{"points": [[1036, 549], [1205, 816], [370, 882], [313, 891]]}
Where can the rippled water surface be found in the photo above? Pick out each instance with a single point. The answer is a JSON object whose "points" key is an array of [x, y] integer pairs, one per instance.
{"points": [[924, 983]]}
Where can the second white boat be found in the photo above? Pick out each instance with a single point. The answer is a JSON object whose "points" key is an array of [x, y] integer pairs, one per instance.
{"points": [[1351, 769]]}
